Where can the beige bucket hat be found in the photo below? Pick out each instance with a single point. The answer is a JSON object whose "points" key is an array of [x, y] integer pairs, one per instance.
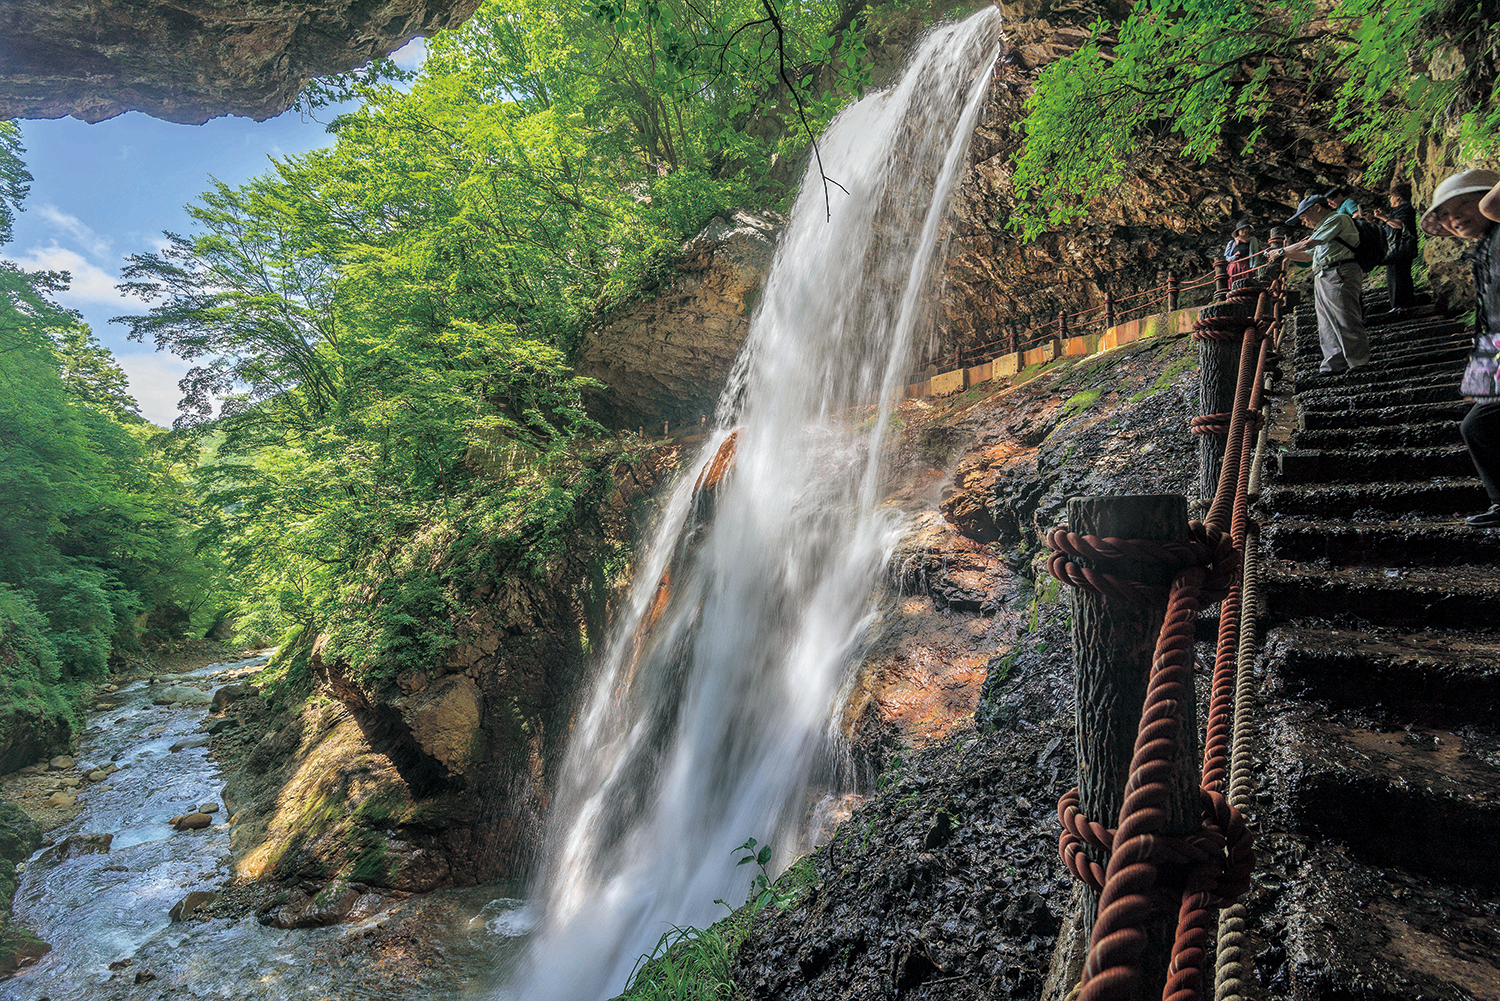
{"points": [[1462, 183]]}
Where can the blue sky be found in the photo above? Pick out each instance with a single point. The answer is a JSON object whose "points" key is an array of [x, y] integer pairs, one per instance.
{"points": [[107, 190]]}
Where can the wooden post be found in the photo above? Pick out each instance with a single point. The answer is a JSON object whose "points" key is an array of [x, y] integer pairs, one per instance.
{"points": [[702, 422], [1218, 375], [1113, 647], [1271, 269], [641, 431], [1221, 279], [1109, 309], [1174, 291], [664, 426]]}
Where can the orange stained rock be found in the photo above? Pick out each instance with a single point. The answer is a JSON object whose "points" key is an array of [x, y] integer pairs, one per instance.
{"points": [[713, 474], [928, 684]]}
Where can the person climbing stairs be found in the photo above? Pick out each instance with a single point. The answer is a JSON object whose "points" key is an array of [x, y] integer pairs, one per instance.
{"points": [[1378, 805]]}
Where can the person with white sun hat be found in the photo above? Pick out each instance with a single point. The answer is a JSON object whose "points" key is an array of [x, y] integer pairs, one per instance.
{"points": [[1458, 210]]}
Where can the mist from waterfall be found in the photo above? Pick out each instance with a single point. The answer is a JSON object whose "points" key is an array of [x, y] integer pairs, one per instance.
{"points": [[713, 716]]}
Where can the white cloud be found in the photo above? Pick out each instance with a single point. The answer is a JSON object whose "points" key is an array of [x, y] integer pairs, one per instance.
{"points": [[92, 285], [153, 383], [412, 55], [82, 234]]}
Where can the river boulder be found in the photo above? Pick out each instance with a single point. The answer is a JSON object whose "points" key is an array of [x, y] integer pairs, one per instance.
{"points": [[188, 905], [183, 694], [232, 693]]}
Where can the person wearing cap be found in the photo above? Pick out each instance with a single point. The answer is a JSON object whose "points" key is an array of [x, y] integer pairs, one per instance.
{"points": [[1401, 237], [1456, 211], [1336, 283], [1242, 249]]}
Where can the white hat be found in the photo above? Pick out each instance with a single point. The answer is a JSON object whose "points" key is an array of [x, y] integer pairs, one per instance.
{"points": [[1462, 183]]}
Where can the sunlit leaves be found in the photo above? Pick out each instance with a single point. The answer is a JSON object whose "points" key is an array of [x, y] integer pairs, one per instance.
{"points": [[1176, 73]]}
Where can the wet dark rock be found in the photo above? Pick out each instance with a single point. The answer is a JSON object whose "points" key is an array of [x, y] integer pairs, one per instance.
{"points": [[189, 63], [221, 725], [946, 884], [189, 905], [144, 976], [228, 694], [192, 821], [188, 743], [75, 846]]}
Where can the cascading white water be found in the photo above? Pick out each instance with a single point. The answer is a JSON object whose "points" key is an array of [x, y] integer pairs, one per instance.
{"points": [[713, 711]]}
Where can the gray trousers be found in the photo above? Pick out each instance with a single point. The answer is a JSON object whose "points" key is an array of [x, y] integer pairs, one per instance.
{"points": [[1341, 317]]}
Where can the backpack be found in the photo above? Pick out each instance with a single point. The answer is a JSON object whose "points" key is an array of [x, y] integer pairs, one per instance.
{"points": [[1372, 249]]}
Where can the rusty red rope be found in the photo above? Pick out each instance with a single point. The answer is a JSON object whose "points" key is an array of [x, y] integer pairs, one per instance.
{"points": [[1211, 866]]}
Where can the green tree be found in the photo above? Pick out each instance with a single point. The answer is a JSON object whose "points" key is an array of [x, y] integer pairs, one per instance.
{"points": [[1173, 77]]}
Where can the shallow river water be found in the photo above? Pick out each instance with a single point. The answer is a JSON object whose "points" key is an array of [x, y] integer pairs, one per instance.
{"points": [[110, 908]]}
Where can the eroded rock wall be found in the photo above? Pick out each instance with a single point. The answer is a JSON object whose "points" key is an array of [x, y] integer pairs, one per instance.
{"points": [[665, 356], [191, 61]]}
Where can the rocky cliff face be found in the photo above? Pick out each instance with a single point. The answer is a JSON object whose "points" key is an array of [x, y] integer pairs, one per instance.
{"points": [[189, 62], [666, 356]]}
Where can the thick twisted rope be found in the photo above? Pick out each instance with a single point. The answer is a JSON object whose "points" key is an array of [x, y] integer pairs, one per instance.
{"points": [[1232, 960], [1219, 423], [1218, 858], [1130, 884]]}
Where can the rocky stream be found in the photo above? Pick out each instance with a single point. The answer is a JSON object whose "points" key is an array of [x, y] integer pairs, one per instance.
{"points": [[135, 905]]}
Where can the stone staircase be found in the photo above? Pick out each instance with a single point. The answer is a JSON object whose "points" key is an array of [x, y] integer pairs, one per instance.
{"points": [[1378, 805]]}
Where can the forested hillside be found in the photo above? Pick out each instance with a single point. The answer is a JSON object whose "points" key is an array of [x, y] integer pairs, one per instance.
{"points": [[381, 329], [96, 518]]}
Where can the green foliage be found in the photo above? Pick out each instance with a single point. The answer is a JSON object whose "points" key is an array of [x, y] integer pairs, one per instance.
{"points": [[382, 410], [94, 519], [688, 964], [1175, 77], [694, 964]]}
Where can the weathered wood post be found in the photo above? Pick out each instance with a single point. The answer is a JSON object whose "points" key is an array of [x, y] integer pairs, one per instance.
{"points": [[641, 430], [1218, 373], [1109, 309], [1272, 268], [1113, 648], [1062, 328], [664, 426], [1221, 279], [1174, 291]]}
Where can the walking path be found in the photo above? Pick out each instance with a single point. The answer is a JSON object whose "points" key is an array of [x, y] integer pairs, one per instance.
{"points": [[1379, 805]]}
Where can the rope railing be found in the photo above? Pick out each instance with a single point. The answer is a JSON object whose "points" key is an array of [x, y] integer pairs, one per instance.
{"points": [[1038, 334], [1149, 871]]}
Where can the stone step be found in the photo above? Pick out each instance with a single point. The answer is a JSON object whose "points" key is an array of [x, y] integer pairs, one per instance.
{"points": [[1432, 433], [1378, 378], [1450, 353], [1461, 597], [1379, 398], [1421, 413], [1330, 465], [1426, 800], [1393, 335], [1453, 497], [1431, 678], [1350, 932], [1380, 315], [1383, 543]]}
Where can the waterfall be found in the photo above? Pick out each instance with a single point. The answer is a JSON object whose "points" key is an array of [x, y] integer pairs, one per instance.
{"points": [[713, 716]]}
